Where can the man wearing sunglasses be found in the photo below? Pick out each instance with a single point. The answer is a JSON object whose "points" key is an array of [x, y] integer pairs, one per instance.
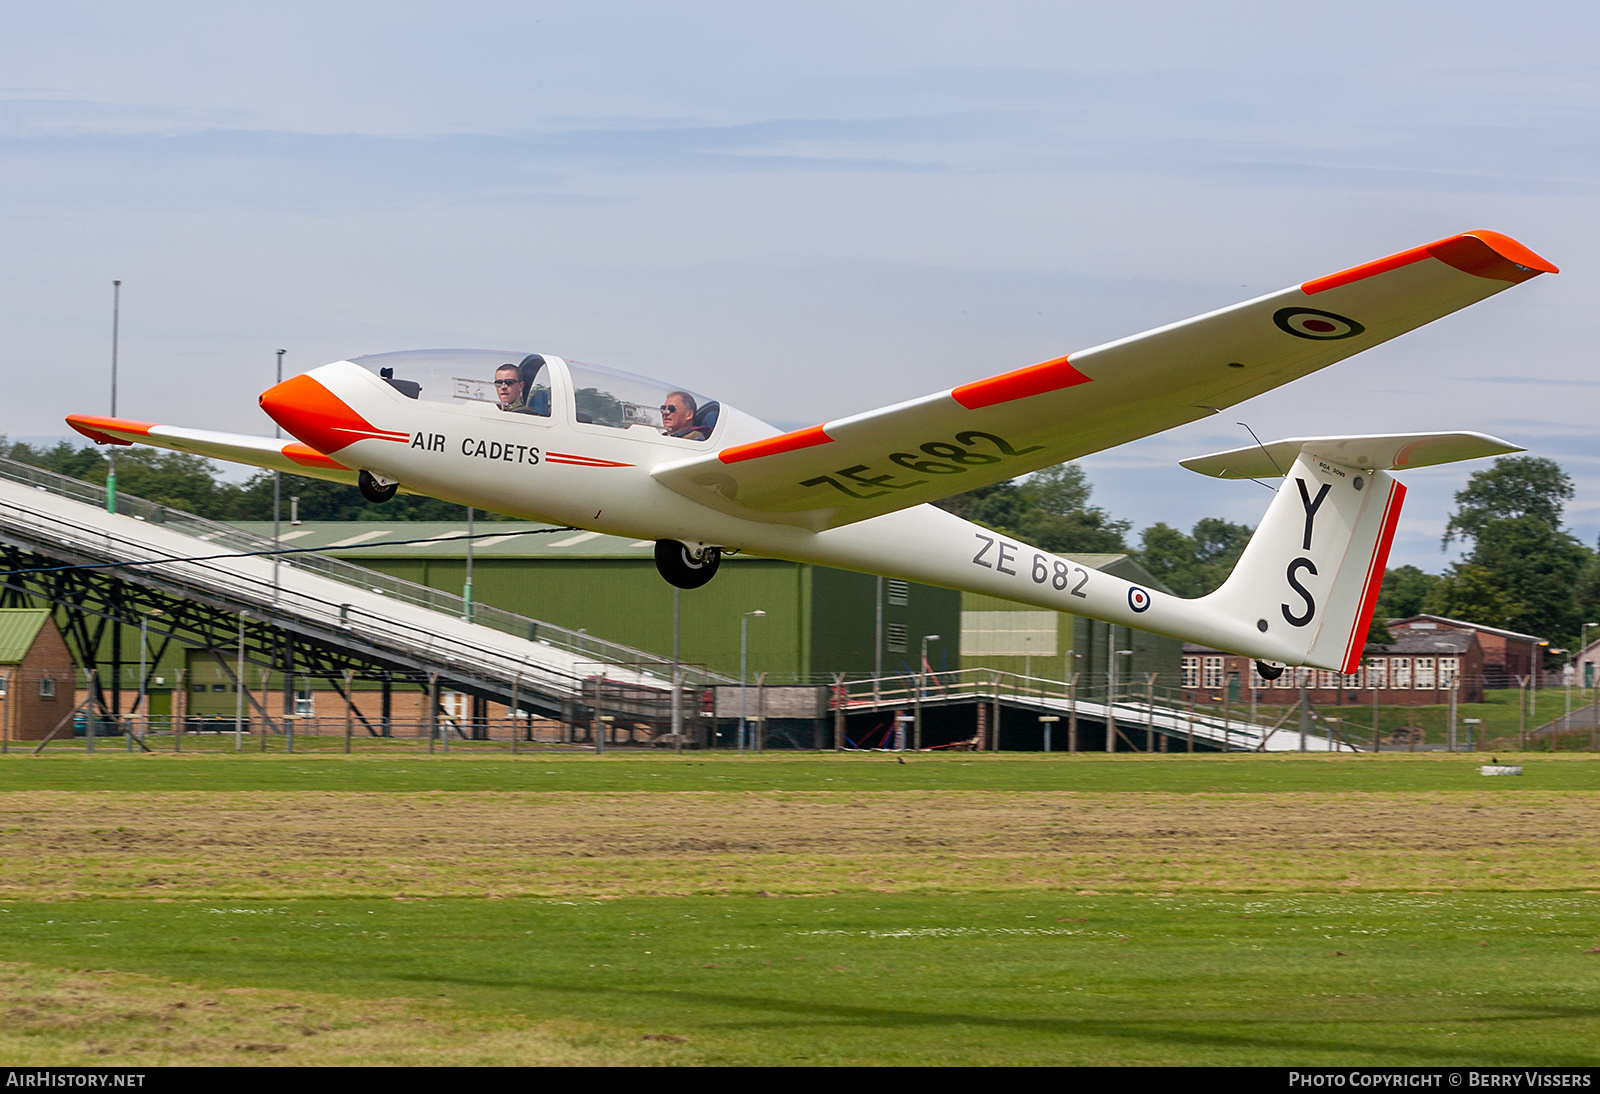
{"points": [[510, 389], [677, 417]]}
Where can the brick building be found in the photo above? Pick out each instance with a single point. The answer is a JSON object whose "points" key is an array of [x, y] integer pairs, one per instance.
{"points": [[38, 673], [1419, 668], [1506, 654]]}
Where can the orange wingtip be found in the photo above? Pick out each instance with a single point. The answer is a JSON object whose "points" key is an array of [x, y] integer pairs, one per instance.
{"points": [[96, 428], [1019, 384], [809, 437], [1481, 253], [306, 456]]}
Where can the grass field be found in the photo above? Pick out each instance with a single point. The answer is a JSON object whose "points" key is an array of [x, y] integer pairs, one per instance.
{"points": [[798, 909]]}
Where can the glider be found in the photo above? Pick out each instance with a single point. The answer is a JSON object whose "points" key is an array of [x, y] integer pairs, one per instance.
{"points": [[557, 440]]}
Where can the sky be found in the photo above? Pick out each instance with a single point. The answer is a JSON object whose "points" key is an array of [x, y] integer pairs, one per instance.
{"points": [[806, 210]]}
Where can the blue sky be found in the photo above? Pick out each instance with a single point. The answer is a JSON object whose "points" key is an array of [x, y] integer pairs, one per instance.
{"points": [[806, 209]]}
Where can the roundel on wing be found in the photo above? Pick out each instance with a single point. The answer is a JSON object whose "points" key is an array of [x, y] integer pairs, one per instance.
{"points": [[1319, 326]]}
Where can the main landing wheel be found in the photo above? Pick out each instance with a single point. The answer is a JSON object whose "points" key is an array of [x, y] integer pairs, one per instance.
{"points": [[375, 489], [1269, 672], [682, 567]]}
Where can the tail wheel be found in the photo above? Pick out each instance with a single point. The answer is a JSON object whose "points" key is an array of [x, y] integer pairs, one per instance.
{"points": [[1269, 671], [375, 489], [681, 566]]}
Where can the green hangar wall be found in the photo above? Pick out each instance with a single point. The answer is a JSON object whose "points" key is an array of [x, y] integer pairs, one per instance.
{"points": [[1011, 637], [819, 620]]}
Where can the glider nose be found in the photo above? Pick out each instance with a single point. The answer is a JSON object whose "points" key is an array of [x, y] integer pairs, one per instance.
{"points": [[315, 415]]}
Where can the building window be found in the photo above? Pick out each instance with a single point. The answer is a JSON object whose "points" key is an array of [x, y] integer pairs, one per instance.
{"points": [[899, 591], [1400, 673], [897, 638], [1352, 682], [1423, 671], [304, 703], [1214, 678], [1327, 681], [1286, 681], [219, 687], [1449, 671], [1191, 672], [47, 688], [1377, 677]]}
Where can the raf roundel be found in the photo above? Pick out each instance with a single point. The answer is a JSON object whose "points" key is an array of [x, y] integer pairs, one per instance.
{"points": [[1138, 599], [1319, 326]]}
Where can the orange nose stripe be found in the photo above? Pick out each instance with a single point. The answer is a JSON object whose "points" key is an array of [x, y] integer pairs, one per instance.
{"points": [[319, 417]]}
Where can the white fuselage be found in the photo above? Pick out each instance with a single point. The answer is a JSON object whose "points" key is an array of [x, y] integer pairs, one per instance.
{"points": [[598, 478]]}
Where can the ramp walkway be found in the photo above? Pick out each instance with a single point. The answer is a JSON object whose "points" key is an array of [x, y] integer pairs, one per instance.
{"points": [[49, 519], [1132, 715]]}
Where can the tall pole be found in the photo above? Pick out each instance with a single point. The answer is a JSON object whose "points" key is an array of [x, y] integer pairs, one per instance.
{"points": [[744, 644], [677, 683], [144, 690], [877, 649], [1111, 689], [922, 682], [466, 590], [277, 493], [238, 693], [111, 452]]}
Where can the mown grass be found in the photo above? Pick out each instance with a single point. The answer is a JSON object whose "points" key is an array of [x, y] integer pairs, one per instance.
{"points": [[715, 909], [977, 979], [722, 772]]}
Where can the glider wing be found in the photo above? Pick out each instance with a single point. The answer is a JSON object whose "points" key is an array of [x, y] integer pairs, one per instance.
{"points": [[273, 454], [1008, 425]]}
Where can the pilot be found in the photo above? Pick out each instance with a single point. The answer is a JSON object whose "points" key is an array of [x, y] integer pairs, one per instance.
{"points": [[677, 417], [510, 389]]}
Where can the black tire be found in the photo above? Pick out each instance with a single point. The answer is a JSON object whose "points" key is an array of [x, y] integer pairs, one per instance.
{"points": [[1269, 672], [368, 485], [679, 567]]}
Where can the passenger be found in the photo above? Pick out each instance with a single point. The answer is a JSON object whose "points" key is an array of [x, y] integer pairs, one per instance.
{"points": [[677, 417], [510, 389]]}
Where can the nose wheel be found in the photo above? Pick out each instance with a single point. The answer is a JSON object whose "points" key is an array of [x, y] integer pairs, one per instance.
{"points": [[685, 567], [1268, 670], [375, 489]]}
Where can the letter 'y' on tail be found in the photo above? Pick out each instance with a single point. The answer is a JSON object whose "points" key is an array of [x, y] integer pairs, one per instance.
{"points": [[1310, 575]]}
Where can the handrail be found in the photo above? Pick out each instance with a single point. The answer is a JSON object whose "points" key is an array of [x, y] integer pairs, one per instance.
{"points": [[337, 569]]}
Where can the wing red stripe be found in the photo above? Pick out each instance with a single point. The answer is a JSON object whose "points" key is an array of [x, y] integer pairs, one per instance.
{"points": [[1482, 253], [809, 437], [1023, 382]]}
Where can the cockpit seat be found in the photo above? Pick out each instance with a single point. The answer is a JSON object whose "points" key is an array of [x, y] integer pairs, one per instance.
{"points": [[705, 419]]}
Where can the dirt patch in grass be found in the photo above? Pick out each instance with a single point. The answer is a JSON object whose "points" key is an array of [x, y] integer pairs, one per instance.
{"points": [[102, 1018], [186, 846]]}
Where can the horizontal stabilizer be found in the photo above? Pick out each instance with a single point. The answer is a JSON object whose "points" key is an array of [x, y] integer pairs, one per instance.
{"points": [[1372, 452]]}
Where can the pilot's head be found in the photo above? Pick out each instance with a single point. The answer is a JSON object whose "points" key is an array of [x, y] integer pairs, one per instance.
{"points": [[508, 386], [677, 412]]}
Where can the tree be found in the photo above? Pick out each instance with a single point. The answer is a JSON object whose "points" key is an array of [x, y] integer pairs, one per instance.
{"points": [[1404, 591], [1534, 570], [1197, 563], [1049, 509], [1514, 487]]}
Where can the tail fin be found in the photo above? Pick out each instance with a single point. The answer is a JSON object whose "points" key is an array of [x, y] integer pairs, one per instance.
{"points": [[1310, 575]]}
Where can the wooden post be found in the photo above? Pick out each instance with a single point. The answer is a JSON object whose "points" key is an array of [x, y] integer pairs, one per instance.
{"points": [[349, 711], [1072, 714], [431, 718], [180, 713], [841, 697]]}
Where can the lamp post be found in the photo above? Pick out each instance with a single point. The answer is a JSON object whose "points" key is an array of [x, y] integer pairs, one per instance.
{"points": [[1111, 698], [111, 453], [277, 494], [922, 680], [1048, 721], [744, 648]]}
